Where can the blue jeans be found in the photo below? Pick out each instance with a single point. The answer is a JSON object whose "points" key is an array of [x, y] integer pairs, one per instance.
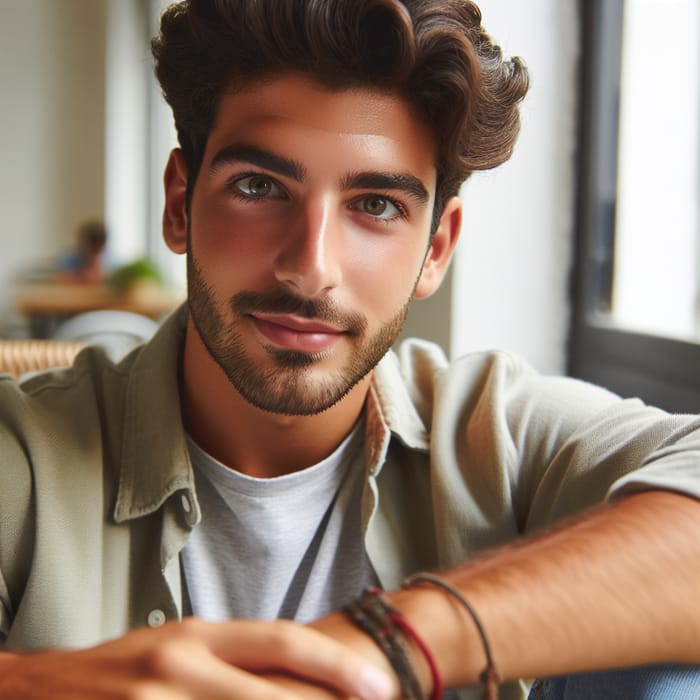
{"points": [[646, 683]]}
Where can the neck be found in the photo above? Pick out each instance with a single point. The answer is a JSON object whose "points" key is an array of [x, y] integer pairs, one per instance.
{"points": [[248, 439]]}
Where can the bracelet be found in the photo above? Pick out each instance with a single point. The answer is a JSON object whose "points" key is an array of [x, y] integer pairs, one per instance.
{"points": [[387, 627], [489, 676], [407, 628], [371, 614]]}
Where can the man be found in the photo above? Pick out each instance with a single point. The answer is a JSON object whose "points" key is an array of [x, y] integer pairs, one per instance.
{"points": [[264, 457]]}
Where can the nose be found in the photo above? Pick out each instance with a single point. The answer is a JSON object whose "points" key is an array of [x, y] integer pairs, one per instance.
{"points": [[309, 258]]}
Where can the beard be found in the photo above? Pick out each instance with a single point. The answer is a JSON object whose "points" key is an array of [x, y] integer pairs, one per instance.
{"points": [[292, 385]]}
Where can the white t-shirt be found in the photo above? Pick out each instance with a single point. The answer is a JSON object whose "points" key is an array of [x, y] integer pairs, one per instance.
{"points": [[285, 547]]}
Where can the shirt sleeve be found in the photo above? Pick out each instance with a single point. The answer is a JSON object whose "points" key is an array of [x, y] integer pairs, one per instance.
{"points": [[515, 450], [4, 612], [16, 513], [577, 445]]}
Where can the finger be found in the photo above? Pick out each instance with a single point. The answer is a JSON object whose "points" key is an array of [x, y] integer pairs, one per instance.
{"points": [[298, 650], [142, 690], [185, 668]]}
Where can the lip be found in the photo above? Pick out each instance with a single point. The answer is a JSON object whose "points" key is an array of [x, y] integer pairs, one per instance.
{"points": [[296, 323], [294, 333]]}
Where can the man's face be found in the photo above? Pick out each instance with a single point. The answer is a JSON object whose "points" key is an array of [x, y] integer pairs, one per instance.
{"points": [[308, 227]]}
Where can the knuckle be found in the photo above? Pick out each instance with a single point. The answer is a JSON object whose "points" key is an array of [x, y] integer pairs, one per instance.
{"points": [[190, 627], [284, 636], [142, 691], [165, 660]]}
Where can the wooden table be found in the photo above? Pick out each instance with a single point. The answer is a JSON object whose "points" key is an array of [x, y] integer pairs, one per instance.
{"points": [[47, 304]]}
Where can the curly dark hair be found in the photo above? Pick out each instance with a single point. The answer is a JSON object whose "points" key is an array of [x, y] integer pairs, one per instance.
{"points": [[433, 53]]}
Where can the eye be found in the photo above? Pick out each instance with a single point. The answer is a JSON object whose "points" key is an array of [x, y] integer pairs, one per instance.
{"points": [[258, 187], [379, 207]]}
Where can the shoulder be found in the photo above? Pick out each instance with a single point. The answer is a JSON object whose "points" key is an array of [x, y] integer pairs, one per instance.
{"points": [[59, 392], [97, 384], [47, 421], [422, 360], [495, 383], [425, 364], [91, 415]]}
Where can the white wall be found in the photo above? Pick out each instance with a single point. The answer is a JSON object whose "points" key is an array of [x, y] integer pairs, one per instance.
{"points": [[127, 69], [52, 135], [508, 286], [511, 272]]}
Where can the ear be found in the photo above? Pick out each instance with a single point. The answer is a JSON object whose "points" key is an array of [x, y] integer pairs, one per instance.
{"points": [[441, 248], [175, 211]]}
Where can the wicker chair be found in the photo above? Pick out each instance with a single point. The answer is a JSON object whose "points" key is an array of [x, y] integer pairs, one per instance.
{"points": [[19, 357]]}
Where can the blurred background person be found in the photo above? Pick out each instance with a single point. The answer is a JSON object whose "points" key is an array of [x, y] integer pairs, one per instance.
{"points": [[86, 263]]}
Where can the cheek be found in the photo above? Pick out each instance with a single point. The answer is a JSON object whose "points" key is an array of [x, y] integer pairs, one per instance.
{"points": [[383, 270], [230, 244]]}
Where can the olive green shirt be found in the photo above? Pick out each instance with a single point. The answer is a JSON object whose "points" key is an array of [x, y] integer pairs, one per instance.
{"points": [[97, 492]]}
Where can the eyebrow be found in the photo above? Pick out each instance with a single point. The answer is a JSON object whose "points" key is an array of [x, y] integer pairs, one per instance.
{"points": [[258, 156], [288, 167], [388, 181]]}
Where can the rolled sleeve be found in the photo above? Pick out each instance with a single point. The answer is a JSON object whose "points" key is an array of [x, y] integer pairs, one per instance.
{"points": [[675, 466]]}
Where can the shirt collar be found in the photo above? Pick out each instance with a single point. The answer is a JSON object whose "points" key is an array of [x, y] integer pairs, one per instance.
{"points": [[391, 411], [155, 461]]}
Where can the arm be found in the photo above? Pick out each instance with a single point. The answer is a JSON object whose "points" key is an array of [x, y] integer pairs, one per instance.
{"points": [[616, 587], [193, 660]]}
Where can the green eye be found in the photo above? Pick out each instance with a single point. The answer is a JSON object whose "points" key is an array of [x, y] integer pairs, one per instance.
{"points": [[258, 186], [375, 206], [378, 207]]}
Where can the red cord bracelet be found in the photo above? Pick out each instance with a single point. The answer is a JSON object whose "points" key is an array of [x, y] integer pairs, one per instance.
{"points": [[407, 628]]}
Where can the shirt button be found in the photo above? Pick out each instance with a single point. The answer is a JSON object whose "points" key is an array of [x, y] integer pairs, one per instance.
{"points": [[186, 505], [156, 618]]}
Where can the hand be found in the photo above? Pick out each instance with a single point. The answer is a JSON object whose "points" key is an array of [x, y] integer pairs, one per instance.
{"points": [[196, 660]]}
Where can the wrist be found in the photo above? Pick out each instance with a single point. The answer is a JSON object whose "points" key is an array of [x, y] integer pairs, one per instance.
{"points": [[447, 631], [338, 626], [449, 634], [372, 627], [398, 640]]}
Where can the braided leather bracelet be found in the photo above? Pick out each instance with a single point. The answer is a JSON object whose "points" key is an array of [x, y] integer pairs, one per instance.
{"points": [[377, 618]]}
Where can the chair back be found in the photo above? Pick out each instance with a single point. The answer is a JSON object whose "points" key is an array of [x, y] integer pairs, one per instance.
{"points": [[19, 357]]}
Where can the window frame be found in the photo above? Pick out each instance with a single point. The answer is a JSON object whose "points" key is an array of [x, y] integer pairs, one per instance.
{"points": [[662, 371]]}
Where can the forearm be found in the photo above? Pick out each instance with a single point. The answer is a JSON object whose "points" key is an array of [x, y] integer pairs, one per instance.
{"points": [[615, 588]]}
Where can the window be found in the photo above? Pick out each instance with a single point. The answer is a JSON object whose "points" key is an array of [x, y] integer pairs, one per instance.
{"points": [[139, 136], [635, 327]]}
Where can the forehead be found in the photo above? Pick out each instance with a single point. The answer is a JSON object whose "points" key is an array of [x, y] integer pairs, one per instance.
{"points": [[294, 110]]}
